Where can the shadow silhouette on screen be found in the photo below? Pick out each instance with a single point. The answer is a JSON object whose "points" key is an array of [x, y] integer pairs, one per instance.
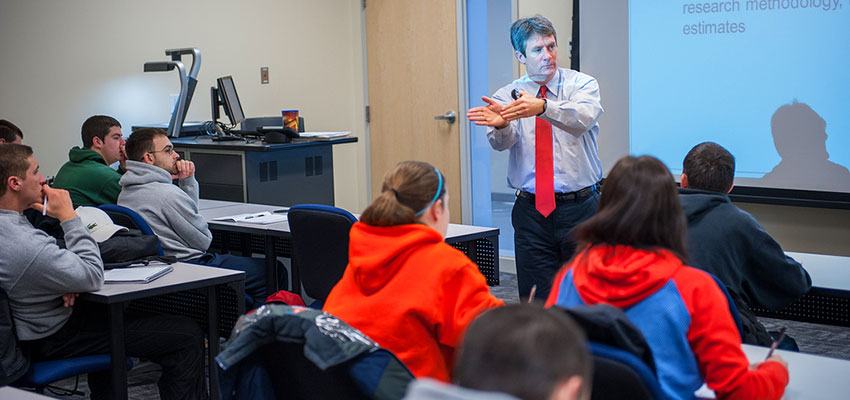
{"points": [[799, 135]]}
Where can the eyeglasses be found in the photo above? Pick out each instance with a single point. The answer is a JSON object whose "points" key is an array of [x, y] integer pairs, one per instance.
{"points": [[167, 150]]}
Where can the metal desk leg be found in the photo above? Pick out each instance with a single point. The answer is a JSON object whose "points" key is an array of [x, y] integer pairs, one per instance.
{"points": [[271, 265], [117, 352], [212, 328]]}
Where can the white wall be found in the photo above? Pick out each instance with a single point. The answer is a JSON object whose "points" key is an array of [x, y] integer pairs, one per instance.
{"points": [[63, 61]]}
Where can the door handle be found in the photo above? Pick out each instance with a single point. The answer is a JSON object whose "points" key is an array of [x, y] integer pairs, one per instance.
{"points": [[448, 116]]}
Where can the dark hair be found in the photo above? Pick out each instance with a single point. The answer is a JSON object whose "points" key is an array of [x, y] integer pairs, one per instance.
{"points": [[408, 188], [639, 207], [141, 142], [97, 126], [524, 350], [709, 166], [523, 28], [9, 131], [13, 162]]}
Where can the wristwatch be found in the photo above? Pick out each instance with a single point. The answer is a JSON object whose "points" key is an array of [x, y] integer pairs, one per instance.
{"points": [[545, 103]]}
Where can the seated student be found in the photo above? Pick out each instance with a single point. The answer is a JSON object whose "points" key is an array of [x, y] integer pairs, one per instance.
{"points": [[42, 280], [87, 175], [10, 133], [729, 243], [516, 352], [633, 257], [172, 210], [404, 286]]}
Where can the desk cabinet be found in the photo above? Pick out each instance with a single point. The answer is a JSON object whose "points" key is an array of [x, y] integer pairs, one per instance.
{"points": [[277, 174]]}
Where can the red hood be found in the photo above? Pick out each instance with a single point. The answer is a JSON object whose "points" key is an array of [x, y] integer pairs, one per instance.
{"points": [[621, 275], [376, 253]]}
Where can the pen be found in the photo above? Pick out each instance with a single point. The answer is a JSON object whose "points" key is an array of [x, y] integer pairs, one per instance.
{"points": [[531, 295], [776, 342], [48, 182]]}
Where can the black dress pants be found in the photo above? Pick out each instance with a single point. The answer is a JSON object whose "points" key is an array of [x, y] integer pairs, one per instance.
{"points": [[543, 244], [174, 342]]}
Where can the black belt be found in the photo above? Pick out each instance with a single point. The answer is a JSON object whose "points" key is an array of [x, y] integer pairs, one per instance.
{"points": [[578, 194]]}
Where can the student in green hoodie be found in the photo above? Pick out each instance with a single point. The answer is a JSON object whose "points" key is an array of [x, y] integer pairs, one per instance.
{"points": [[87, 175]]}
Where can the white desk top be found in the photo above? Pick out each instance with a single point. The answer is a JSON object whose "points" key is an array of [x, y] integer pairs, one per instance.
{"points": [[183, 274], [205, 204], [812, 377], [454, 230], [11, 393], [829, 272]]}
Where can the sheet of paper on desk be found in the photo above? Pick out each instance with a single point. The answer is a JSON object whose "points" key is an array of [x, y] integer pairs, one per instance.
{"points": [[136, 274], [324, 135], [265, 217]]}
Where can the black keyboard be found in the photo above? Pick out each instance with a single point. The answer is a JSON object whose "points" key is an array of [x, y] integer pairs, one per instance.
{"points": [[226, 138]]}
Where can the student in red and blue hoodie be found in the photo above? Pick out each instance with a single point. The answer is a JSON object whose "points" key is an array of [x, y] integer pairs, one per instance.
{"points": [[633, 257]]}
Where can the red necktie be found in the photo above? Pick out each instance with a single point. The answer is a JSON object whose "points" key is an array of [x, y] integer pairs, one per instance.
{"points": [[544, 175]]}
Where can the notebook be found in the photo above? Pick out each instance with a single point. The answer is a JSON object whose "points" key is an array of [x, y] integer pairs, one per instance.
{"points": [[133, 274], [265, 217]]}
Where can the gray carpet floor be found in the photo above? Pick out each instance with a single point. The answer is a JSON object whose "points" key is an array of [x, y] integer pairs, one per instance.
{"points": [[825, 340]]}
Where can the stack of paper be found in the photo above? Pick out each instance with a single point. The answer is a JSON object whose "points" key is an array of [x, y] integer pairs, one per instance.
{"points": [[324, 135], [133, 274], [265, 217]]}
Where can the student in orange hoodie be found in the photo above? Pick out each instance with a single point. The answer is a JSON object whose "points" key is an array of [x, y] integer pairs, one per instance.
{"points": [[404, 286], [633, 258]]}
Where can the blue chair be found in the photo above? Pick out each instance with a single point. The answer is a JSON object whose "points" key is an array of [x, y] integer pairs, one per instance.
{"points": [[128, 218], [40, 374], [619, 374], [736, 316], [319, 247]]}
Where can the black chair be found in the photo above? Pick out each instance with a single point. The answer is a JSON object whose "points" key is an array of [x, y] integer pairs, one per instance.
{"points": [[292, 352], [623, 365], [619, 374], [319, 247]]}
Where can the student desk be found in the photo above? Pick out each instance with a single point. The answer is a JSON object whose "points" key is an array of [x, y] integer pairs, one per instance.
{"points": [[282, 174], [183, 277], [480, 244], [811, 377], [828, 302]]}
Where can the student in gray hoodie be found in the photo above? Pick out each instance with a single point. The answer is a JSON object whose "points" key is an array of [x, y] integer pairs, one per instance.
{"points": [[42, 281], [172, 210]]}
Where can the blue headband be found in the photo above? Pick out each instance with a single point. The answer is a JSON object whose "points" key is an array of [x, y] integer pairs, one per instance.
{"points": [[436, 195]]}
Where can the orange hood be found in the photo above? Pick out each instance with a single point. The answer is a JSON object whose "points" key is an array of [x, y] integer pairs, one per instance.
{"points": [[376, 253]]}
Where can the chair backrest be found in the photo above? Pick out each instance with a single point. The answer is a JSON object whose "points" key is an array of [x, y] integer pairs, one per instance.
{"points": [[302, 353], [733, 309], [619, 374], [319, 246], [128, 218]]}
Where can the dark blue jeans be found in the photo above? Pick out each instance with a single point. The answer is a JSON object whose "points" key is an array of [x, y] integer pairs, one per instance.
{"points": [[255, 274], [543, 245]]}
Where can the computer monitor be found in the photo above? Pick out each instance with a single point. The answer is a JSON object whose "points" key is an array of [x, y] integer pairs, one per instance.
{"points": [[226, 96]]}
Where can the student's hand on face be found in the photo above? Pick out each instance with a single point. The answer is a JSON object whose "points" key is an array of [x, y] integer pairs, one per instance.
{"points": [[68, 299], [59, 203], [526, 106], [488, 115], [122, 162], [185, 169]]}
